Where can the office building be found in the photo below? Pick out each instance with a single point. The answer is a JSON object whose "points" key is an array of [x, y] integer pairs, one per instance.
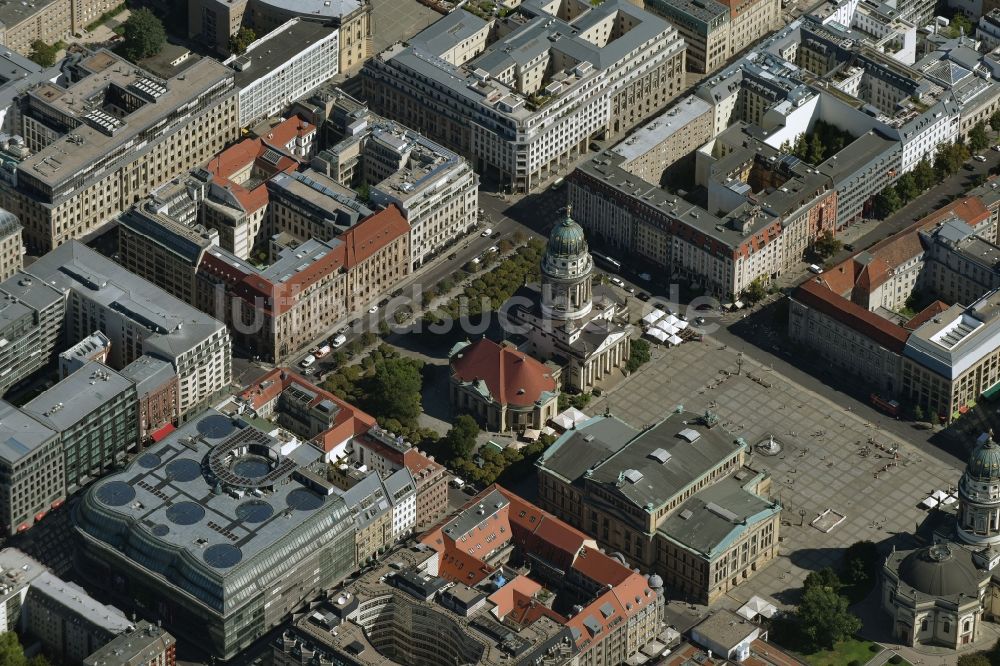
{"points": [[22, 23], [94, 347], [282, 66], [434, 188], [145, 645], [215, 21], [138, 317], [68, 622], [11, 245], [18, 570], [685, 503], [94, 412], [102, 143], [523, 95], [229, 528], [31, 325], [310, 287], [504, 389], [715, 31], [32, 477]]}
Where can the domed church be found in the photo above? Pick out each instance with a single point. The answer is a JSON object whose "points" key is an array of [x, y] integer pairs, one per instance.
{"points": [[567, 319], [941, 593]]}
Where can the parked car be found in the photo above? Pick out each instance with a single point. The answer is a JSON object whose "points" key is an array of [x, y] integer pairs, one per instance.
{"points": [[452, 256], [493, 249], [617, 281], [457, 483], [813, 268], [849, 247], [373, 309], [487, 232], [630, 290], [338, 341], [307, 361], [997, 147], [496, 235], [322, 351], [979, 158], [643, 296]]}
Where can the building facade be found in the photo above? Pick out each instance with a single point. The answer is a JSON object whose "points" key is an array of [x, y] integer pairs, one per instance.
{"points": [[87, 165], [519, 121], [50, 21], [146, 645], [282, 66], [32, 470]]}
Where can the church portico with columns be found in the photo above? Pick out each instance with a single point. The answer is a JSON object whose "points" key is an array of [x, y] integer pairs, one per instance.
{"points": [[568, 320]]}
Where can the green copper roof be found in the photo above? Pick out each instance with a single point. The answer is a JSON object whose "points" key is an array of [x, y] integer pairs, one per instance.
{"points": [[567, 239], [984, 463]]}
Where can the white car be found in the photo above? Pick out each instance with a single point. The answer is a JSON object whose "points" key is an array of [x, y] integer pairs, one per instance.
{"points": [[487, 232], [979, 158], [813, 268], [617, 282], [493, 249], [373, 309], [338, 341], [307, 361]]}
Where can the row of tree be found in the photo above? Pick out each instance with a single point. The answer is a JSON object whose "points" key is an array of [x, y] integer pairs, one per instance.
{"points": [[923, 176]]}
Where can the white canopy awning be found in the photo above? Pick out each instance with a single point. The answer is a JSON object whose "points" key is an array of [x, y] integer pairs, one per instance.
{"points": [[669, 329], [652, 317], [929, 503], [569, 418], [672, 319], [531, 434], [681, 325], [757, 606], [656, 334], [674, 340], [939, 495]]}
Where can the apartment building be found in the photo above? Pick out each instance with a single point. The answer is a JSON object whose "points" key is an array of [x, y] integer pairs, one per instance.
{"points": [[676, 498], [591, 71], [103, 142], [385, 453], [145, 645], [32, 480], [307, 205], [19, 570], [67, 622], [282, 66], [138, 317], [50, 21], [157, 397], [435, 189], [215, 21]]}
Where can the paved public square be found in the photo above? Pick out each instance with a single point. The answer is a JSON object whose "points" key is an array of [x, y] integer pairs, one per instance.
{"points": [[825, 463]]}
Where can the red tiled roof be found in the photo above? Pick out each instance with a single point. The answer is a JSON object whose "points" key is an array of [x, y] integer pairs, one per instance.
{"points": [[281, 134], [512, 377], [365, 239], [817, 296], [545, 536], [935, 308], [349, 422]]}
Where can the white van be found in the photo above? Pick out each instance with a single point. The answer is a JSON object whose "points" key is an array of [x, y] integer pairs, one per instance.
{"points": [[308, 361], [338, 341], [457, 482]]}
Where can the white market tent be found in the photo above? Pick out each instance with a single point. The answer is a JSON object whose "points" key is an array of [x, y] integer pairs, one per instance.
{"points": [[672, 319], [569, 418], [757, 606], [652, 317], [674, 340], [665, 327], [681, 325], [929, 503], [657, 334]]}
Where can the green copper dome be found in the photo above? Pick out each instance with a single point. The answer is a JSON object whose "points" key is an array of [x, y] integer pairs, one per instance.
{"points": [[984, 463], [567, 239]]}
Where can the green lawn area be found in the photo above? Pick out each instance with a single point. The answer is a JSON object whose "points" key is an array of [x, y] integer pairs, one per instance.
{"points": [[842, 654]]}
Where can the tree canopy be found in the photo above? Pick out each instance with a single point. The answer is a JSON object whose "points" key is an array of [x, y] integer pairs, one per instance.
{"points": [[824, 618], [394, 390], [461, 439], [43, 54], [978, 138], [755, 291], [243, 38], [827, 245], [144, 35], [12, 654]]}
